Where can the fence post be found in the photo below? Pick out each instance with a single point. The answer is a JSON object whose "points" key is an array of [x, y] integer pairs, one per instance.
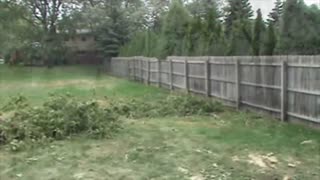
{"points": [[134, 68], [148, 72], [129, 69], [238, 82], [186, 75], [207, 78], [141, 70], [171, 74], [284, 89], [159, 73]]}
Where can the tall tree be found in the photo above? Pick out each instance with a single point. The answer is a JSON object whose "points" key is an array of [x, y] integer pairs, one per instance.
{"points": [[154, 10], [45, 12], [15, 28], [174, 29], [271, 40], [238, 26], [258, 31], [237, 10], [273, 31], [213, 34], [276, 13], [194, 40], [299, 28], [113, 33]]}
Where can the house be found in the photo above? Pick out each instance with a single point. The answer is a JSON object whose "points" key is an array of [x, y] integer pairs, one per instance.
{"points": [[83, 48]]}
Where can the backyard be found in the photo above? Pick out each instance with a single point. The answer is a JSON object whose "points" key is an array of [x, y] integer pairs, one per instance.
{"points": [[222, 145]]}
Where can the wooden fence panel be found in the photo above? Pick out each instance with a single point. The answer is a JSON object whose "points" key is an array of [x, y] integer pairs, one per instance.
{"points": [[178, 74], [120, 68], [196, 72], [165, 77], [144, 70], [261, 84], [138, 68], [285, 86], [223, 79], [154, 72], [303, 88]]}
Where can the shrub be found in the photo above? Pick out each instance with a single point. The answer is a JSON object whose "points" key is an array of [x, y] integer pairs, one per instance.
{"points": [[58, 118], [64, 116], [172, 105], [15, 102]]}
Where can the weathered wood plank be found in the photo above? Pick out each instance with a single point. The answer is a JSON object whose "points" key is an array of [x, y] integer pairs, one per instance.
{"points": [[264, 83], [284, 87]]}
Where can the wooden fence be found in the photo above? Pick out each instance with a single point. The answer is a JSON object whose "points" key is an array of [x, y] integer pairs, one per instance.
{"points": [[287, 87]]}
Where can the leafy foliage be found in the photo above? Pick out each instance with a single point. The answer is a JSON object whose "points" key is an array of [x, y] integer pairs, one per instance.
{"points": [[259, 29], [194, 28], [63, 116], [293, 38], [176, 105], [161, 28], [58, 118], [16, 102], [271, 41], [174, 30], [276, 13]]}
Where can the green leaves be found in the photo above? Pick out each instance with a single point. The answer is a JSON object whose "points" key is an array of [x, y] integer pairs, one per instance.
{"points": [[58, 118], [174, 105], [293, 38]]}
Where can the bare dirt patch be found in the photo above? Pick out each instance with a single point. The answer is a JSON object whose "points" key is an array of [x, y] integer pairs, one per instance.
{"points": [[264, 162]]}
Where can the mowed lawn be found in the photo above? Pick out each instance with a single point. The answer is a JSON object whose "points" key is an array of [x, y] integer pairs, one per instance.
{"points": [[229, 145]]}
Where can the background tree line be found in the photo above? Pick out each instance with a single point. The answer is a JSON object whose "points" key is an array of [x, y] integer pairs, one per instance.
{"points": [[158, 28], [204, 27]]}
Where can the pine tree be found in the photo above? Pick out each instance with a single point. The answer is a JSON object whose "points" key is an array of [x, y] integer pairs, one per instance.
{"points": [[175, 28], [273, 31], [290, 30], [213, 31], [257, 34], [238, 27], [237, 10], [113, 34], [271, 40], [299, 30], [276, 13], [192, 40]]}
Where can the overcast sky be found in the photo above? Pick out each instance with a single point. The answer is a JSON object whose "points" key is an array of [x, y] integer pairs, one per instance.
{"points": [[267, 5]]}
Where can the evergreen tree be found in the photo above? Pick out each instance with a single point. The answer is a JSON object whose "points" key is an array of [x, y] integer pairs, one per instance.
{"points": [[276, 13], [271, 40], [113, 34], [237, 10], [273, 31], [299, 28], [175, 28], [238, 26], [213, 32], [193, 37], [257, 39]]}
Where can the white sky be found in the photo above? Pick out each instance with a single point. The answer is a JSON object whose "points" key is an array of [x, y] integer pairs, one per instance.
{"points": [[267, 5]]}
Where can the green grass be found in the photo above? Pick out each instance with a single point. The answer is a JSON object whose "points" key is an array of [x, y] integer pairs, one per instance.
{"points": [[215, 147], [86, 83]]}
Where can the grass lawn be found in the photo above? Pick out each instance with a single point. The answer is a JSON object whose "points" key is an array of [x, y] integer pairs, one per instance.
{"points": [[229, 145]]}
